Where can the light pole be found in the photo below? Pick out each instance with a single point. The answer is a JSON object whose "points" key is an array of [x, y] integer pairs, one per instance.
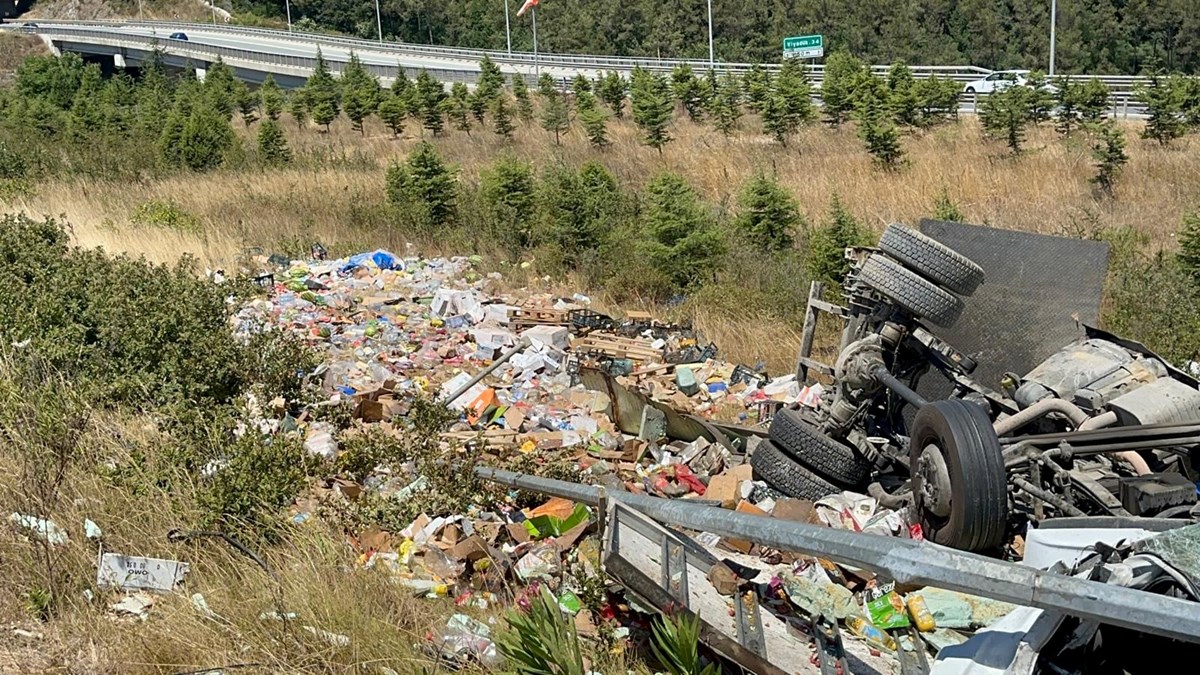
{"points": [[710, 36], [507, 30], [1053, 21], [378, 22], [287, 4]]}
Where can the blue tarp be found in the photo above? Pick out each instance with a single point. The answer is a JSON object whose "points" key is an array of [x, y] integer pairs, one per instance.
{"points": [[382, 259]]}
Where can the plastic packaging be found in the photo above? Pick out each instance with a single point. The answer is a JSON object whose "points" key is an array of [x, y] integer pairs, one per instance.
{"points": [[870, 634], [922, 618], [885, 607]]}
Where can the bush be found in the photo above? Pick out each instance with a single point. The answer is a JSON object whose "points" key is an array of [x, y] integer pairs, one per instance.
{"points": [[508, 190], [166, 214], [425, 186], [768, 215], [139, 334], [685, 245], [826, 260]]}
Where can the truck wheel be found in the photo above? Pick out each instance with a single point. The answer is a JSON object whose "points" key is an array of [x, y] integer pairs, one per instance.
{"points": [[816, 451], [931, 259], [959, 486], [910, 291], [788, 476]]}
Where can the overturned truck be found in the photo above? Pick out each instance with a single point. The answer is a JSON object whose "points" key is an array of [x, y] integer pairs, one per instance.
{"points": [[1102, 427]]}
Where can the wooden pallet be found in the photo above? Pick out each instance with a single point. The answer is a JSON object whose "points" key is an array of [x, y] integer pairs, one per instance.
{"points": [[524, 317], [617, 347]]}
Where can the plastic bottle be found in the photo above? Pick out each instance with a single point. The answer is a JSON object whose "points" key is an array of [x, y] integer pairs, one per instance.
{"points": [[870, 634], [921, 616]]}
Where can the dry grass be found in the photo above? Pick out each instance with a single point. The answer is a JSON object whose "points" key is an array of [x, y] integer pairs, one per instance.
{"points": [[15, 48], [319, 583], [333, 196]]}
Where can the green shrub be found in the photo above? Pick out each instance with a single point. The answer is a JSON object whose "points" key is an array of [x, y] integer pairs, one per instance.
{"points": [[166, 214], [425, 187], [768, 214], [684, 243], [826, 260]]}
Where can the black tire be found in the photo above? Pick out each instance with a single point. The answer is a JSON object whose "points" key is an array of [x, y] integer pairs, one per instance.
{"points": [[970, 90], [931, 259], [910, 291], [787, 475], [823, 455], [975, 517]]}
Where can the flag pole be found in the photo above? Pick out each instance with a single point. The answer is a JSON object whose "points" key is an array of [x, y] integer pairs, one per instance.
{"points": [[537, 71]]}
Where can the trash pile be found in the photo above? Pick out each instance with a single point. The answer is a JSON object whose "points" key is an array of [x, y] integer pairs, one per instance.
{"points": [[629, 404]]}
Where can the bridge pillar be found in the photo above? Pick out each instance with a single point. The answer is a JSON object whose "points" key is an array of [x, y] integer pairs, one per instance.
{"points": [[53, 48], [119, 60], [200, 72]]}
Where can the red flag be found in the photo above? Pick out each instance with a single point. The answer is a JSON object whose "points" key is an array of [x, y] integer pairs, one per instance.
{"points": [[527, 5]]}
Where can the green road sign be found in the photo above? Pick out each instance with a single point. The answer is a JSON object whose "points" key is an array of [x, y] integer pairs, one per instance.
{"points": [[804, 47]]}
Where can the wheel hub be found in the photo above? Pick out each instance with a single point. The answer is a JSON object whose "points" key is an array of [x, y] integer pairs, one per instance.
{"points": [[935, 481]]}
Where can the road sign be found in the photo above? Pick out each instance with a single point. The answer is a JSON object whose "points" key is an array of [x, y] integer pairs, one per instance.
{"points": [[804, 47]]}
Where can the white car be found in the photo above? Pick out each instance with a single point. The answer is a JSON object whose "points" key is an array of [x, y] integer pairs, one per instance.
{"points": [[1001, 79]]}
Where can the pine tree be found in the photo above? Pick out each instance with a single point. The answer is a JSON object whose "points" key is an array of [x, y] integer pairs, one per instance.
{"points": [[1164, 101], [220, 86], [272, 146], [945, 209], [393, 110], [581, 85], [595, 125], [501, 118], [1108, 149], [298, 106], [458, 107], [508, 191], [270, 97], [578, 210], [546, 86], [1066, 100], [1189, 245], [1093, 100], [477, 104], [826, 260], [726, 107], [206, 137], [554, 115], [489, 85], [652, 108], [612, 89], [360, 93], [247, 103], [904, 103], [843, 74], [938, 99], [874, 113], [791, 86], [778, 119], [687, 90], [172, 132], [430, 94], [521, 94], [323, 94], [685, 245], [1041, 98], [757, 82], [425, 187], [1005, 113], [768, 214]]}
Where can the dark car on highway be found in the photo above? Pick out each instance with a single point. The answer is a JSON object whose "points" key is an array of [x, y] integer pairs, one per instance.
{"points": [[179, 36]]}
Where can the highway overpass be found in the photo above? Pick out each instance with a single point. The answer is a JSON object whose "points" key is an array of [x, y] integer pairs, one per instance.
{"points": [[291, 56]]}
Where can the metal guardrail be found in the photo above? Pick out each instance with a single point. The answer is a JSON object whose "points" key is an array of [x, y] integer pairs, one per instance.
{"points": [[905, 560]]}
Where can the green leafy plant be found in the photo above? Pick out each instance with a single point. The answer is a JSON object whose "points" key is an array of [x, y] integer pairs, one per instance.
{"points": [[166, 214], [542, 641], [676, 645]]}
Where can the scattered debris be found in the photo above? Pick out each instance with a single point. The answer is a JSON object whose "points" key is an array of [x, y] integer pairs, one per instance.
{"points": [[135, 604], [42, 528], [137, 573]]}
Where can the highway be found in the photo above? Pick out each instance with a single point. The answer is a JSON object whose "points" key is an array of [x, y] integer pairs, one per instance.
{"points": [[291, 56]]}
